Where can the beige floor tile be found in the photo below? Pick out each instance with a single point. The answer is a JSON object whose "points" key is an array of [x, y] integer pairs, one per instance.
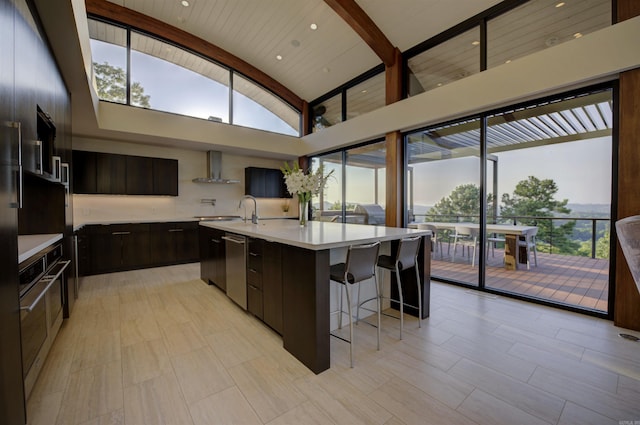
{"points": [[266, 389], [143, 328], [485, 354], [574, 414], [307, 413], [487, 409], [438, 384], [200, 374], [92, 392], [602, 402], [414, 407], [156, 401], [182, 338], [44, 410], [340, 400], [112, 418], [231, 347], [226, 407], [580, 371], [143, 361], [96, 349], [523, 396]]}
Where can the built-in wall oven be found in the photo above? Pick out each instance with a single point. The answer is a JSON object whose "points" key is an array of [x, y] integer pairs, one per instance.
{"points": [[42, 283]]}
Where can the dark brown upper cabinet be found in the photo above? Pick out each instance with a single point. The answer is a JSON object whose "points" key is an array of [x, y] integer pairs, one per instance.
{"points": [[264, 183], [113, 174]]}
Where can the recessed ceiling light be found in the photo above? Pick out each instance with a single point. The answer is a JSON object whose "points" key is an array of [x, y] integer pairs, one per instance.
{"points": [[560, 4], [439, 84], [475, 43], [313, 27], [279, 57], [364, 91], [185, 3], [295, 43], [507, 61], [577, 35]]}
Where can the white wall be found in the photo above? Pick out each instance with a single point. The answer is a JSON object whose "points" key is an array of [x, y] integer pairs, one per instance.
{"points": [[191, 164]]}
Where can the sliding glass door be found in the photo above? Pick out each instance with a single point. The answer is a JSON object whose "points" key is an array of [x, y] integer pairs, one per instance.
{"points": [[545, 190], [444, 179]]}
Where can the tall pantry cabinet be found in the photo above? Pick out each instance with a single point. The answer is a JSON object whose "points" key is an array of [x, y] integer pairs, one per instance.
{"points": [[29, 79]]}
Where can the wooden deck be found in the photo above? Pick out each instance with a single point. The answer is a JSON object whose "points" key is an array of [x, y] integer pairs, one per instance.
{"points": [[572, 280]]}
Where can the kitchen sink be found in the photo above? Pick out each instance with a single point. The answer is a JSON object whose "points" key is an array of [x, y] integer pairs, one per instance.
{"points": [[218, 217]]}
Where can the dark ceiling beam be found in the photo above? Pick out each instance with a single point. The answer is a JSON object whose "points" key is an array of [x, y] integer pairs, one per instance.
{"points": [[111, 11], [365, 28]]}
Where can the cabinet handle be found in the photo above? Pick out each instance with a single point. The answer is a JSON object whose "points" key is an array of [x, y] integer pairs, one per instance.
{"points": [[64, 174], [253, 254], [216, 240], [253, 270], [176, 230], [120, 233], [39, 166], [17, 168]]}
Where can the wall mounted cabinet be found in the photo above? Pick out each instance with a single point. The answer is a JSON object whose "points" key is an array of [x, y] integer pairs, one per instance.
{"points": [[113, 174], [265, 183]]}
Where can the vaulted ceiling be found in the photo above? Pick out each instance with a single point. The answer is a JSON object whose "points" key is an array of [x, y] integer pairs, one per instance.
{"points": [[351, 35]]}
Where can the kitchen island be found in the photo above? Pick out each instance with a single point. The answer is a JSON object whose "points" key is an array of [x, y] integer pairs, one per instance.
{"points": [[306, 254]]}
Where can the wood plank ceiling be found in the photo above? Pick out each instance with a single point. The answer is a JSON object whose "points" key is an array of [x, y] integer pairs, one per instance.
{"points": [[313, 61]]}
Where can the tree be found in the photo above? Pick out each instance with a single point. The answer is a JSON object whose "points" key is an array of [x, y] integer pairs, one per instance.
{"points": [[536, 198], [463, 201], [111, 82]]}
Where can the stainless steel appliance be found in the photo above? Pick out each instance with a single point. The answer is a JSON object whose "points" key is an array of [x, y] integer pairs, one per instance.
{"points": [[42, 283], [236, 262]]}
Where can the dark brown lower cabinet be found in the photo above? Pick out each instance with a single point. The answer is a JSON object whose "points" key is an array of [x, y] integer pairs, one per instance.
{"points": [[272, 285], [174, 243], [213, 268], [255, 251], [120, 247]]}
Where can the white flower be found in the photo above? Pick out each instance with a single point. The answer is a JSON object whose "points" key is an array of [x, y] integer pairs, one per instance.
{"points": [[299, 183]]}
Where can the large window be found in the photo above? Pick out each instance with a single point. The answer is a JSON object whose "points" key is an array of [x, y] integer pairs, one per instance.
{"points": [[363, 94], [168, 78], [546, 177], [452, 60], [539, 24]]}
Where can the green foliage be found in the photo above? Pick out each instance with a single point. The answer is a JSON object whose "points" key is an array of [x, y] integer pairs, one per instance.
{"points": [[111, 83], [531, 201], [464, 201]]}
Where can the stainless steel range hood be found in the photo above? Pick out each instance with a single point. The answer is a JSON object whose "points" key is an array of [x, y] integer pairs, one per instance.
{"points": [[214, 168]]}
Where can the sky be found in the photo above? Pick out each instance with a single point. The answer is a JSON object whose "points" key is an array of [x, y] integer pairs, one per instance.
{"points": [[171, 89]]}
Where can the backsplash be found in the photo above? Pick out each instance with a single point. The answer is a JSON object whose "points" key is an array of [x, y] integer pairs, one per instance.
{"points": [[191, 164]]}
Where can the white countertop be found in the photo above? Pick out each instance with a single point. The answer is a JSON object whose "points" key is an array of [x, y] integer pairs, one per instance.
{"points": [[317, 235], [29, 245]]}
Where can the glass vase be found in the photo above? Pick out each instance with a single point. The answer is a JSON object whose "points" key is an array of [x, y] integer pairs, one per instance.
{"points": [[303, 209]]}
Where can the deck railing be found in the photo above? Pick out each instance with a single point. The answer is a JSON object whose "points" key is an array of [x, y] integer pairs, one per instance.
{"points": [[547, 237]]}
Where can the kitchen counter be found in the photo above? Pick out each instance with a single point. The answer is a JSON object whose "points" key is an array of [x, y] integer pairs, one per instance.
{"points": [[306, 256], [29, 245], [317, 235]]}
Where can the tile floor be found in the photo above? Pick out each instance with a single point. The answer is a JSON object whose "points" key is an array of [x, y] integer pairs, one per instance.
{"points": [[158, 346]]}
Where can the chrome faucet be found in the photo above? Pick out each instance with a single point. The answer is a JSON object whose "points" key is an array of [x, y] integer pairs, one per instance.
{"points": [[254, 215]]}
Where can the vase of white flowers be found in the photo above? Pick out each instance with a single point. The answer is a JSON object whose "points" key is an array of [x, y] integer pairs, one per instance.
{"points": [[304, 186]]}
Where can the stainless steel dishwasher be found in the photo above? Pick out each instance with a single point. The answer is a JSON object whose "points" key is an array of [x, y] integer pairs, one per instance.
{"points": [[236, 261]]}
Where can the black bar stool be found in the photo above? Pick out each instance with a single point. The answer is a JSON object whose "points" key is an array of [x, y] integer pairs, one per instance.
{"points": [[359, 266], [406, 258]]}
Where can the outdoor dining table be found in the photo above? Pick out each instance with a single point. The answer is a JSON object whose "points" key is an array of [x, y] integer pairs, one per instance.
{"points": [[511, 233]]}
